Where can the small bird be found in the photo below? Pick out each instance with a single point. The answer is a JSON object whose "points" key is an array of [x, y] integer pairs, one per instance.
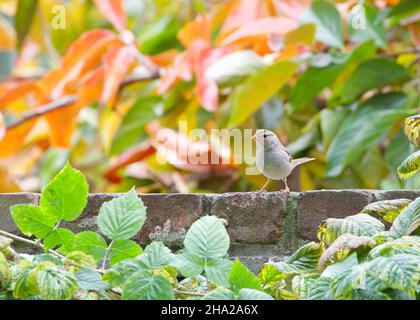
{"points": [[273, 159]]}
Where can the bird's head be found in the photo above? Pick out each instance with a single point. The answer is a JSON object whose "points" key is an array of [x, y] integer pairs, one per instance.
{"points": [[265, 138]]}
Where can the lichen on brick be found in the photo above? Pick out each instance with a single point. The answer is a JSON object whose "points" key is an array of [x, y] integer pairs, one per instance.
{"points": [[172, 239]]}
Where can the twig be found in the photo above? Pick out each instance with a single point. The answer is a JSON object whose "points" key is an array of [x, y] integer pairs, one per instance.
{"points": [[69, 100], [38, 244], [189, 293], [106, 256]]}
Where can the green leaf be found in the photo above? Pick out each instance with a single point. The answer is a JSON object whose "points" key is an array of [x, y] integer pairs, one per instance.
{"points": [[270, 113], [91, 243], [270, 274], [403, 245], [301, 282], [328, 22], [402, 10], [156, 255], [235, 67], [52, 161], [398, 149], [372, 74], [408, 220], [311, 83], [25, 13], [412, 129], [66, 195], [219, 293], [371, 26], [387, 209], [410, 166], [305, 259], [257, 89], [5, 272], [143, 285], [368, 294], [252, 294], [123, 249], [187, 264], [81, 258], [31, 220], [401, 271], [55, 284], [359, 225], [57, 237], [330, 123], [131, 130], [89, 279], [119, 273], [122, 217], [364, 128], [218, 271], [26, 284], [342, 247], [207, 238], [241, 277]]}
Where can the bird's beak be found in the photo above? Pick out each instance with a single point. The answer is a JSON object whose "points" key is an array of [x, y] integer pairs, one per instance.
{"points": [[254, 137]]}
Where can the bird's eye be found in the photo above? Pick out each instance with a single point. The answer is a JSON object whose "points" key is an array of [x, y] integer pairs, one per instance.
{"points": [[265, 136]]}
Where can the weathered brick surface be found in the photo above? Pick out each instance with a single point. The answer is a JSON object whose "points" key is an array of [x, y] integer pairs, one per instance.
{"points": [[397, 194], [253, 217], [317, 206], [9, 199]]}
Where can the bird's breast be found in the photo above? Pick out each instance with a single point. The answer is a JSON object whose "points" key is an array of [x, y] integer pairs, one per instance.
{"points": [[274, 164]]}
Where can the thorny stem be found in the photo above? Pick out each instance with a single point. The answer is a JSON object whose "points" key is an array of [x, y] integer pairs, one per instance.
{"points": [[106, 256], [38, 244]]}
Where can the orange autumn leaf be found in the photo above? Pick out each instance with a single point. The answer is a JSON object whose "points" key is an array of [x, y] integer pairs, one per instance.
{"points": [[83, 55], [91, 86], [198, 29], [117, 62], [2, 127], [263, 26], [17, 90], [113, 10], [13, 139], [62, 124]]}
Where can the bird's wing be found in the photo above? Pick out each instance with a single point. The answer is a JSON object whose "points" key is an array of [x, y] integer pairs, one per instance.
{"points": [[299, 161], [287, 152]]}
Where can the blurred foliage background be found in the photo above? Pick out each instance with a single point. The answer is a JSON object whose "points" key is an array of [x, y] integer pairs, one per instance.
{"points": [[93, 82]]}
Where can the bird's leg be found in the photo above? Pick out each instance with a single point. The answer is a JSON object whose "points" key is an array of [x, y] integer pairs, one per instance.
{"points": [[286, 187], [263, 187]]}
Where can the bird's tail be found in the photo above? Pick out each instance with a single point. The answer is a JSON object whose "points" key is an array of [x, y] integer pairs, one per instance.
{"points": [[296, 162]]}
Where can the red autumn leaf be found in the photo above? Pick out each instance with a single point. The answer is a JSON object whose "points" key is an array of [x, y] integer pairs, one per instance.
{"points": [[117, 62], [261, 27], [113, 10]]}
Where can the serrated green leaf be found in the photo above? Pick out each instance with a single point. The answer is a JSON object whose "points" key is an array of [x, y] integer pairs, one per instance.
{"points": [[57, 237], [408, 220], [342, 247], [123, 249], [403, 245], [5, 272], [26, 284], [387, 209], [55, 284], [329, 29], [88, 279], [82, 259], [31, 220], [241, 277], [122, 217], [66, 195], [119, 273], [257, 89], [218, 271], [187, 264], [156, 255], [305, 259], [359, 225], [300, 284], [91, 243], [400, 271], [143, 285], [207, 238]]}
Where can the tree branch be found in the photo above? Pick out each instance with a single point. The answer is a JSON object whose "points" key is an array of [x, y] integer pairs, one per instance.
{"points": [[396, 54], [69, 100]]}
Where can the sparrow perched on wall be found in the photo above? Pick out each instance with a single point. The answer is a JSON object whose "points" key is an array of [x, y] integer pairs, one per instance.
{"points": [[273, 159]]}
